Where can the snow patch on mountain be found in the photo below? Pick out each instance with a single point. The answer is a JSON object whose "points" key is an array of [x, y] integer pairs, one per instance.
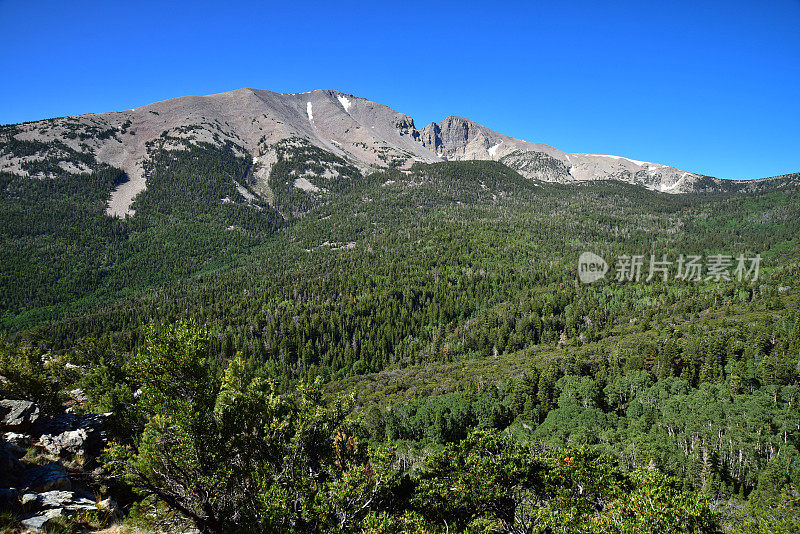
{"points": [[310, 111], [345, 102]]}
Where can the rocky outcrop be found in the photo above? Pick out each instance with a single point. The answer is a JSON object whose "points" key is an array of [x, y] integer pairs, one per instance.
{"points": [[405, 126], [71, 434], [538, 166], [67, 443], [20, 440], [38, 494], [66, 500], [457, 138], [18, 415], [430, 138], [39, 522], [41, 508]]}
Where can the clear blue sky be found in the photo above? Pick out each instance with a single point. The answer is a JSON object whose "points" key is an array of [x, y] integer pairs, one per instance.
{"points": [[710, 87]]}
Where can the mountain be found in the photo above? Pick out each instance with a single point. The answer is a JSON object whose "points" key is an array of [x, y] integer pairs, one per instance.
{"points": [[251, 122], [343, 131]]}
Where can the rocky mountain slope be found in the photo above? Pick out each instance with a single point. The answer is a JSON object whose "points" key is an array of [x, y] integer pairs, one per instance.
{"points": [[259, 125], [49, 466]]}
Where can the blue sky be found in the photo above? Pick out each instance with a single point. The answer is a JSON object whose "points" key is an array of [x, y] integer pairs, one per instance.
{"points": [[710, 87]]}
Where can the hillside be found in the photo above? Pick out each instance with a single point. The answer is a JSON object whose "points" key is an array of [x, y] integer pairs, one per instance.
{"points": [[285, 253]]}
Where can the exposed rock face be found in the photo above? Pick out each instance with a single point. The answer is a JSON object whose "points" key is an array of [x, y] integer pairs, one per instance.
{"points": [[41, 508], [66, 443], [18, 414], [430, 138], [405, 126], [537, 165], [68, 422], [458, 138], [38, 494], [66, 500], [71, 434], [20, 440], [39, 522]]}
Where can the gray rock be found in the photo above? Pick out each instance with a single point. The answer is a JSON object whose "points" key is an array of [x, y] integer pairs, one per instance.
{"points": [[43, 507], [110, 506], [20, 440], [78, 395], [30, 501], [38, 522], [70, 434], [67, 443], [46, 478], [18, 414], [66, 500]]}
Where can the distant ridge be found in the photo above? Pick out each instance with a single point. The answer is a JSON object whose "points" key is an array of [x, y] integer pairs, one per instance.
{"points": [[366, 134]]}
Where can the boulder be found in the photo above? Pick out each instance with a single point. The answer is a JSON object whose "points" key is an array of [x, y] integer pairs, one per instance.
{"points": [[18, 414], [67, 443], [70, 434], [38, 522], [30, 501], [20, 440], [110, 507], [65, 500], [43, 507], [46, 478]]}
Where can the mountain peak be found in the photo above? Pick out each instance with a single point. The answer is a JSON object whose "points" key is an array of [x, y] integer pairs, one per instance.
{"points": [[363, 133]]}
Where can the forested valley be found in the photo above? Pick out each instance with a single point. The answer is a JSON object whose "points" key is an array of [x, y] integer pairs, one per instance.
{"points": [[404, 351]]}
